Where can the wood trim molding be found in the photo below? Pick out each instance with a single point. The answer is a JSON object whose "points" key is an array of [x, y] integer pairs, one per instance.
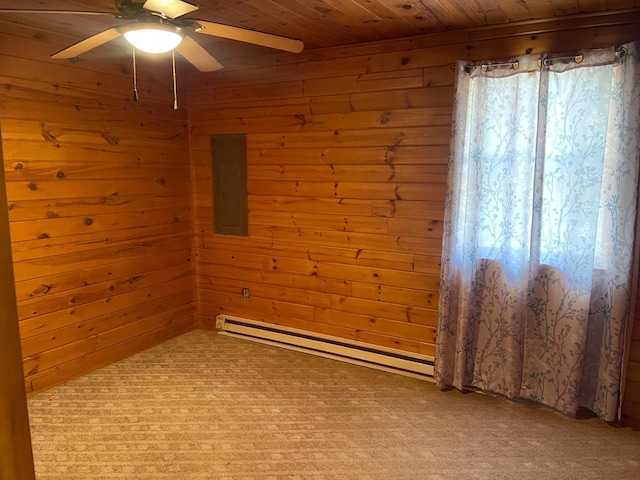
{"points": [[16, 458]]}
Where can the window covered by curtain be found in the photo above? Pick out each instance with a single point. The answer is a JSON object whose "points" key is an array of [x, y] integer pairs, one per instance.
{"points": [[539, 228]]}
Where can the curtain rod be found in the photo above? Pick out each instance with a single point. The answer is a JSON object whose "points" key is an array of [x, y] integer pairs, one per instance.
{"points": [[546, 60]]}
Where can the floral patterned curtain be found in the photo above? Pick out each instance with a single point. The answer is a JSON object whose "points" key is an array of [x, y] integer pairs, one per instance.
{"points": [[539, 229]]}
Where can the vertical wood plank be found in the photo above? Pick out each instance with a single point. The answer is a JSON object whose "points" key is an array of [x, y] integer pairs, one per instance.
{"points": [[16, 459]]}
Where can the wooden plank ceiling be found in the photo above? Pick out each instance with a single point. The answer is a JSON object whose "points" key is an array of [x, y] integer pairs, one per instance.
{"points": [[321, 23]]}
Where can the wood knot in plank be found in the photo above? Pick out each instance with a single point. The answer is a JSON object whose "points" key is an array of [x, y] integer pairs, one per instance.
{"points": [[42, 290], [110, 140], [47, 135]]}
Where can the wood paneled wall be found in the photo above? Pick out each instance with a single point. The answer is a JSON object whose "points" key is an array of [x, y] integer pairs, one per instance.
{"points": [[347, 166], [347, 163], [99, 205]]}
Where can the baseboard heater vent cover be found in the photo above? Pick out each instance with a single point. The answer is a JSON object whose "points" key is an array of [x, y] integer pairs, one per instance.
{"points": [[359, 353]]}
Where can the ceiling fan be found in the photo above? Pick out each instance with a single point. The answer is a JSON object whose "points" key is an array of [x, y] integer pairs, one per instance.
{"points": [[155, 21]]}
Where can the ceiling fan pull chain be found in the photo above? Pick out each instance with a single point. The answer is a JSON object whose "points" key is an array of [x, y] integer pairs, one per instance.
{"points": [[135, 76], [175, 92]]}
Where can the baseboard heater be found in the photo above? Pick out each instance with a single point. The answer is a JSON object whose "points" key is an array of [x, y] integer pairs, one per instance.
{"points": [[359, 353]]}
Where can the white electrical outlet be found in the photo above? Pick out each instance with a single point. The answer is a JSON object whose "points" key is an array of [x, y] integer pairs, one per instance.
{"points": [[245, 292]]}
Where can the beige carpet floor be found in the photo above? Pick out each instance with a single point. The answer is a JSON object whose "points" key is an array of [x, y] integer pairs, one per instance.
{"points": [[204, 406]]}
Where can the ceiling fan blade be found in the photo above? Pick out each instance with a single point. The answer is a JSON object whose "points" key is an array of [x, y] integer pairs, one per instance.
{"points": [[88, 44], [63, 12], [250, 36], [197, 56], [170, 8]]}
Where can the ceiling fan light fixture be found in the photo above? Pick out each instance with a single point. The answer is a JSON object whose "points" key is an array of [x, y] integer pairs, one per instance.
{"points": [[154, 38]]}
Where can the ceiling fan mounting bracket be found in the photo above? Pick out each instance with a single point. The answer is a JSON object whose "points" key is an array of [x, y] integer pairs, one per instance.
{"points": [[129, 8]]}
